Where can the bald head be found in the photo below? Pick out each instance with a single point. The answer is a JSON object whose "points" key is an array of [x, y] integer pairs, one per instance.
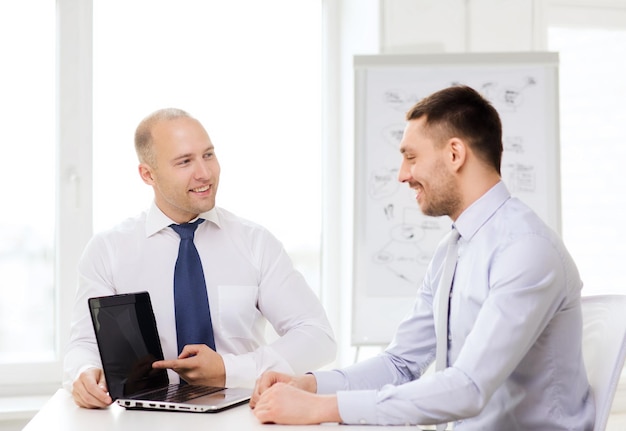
{"points": [[143, 133]]}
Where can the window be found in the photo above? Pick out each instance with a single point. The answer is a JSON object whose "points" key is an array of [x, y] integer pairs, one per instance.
{"points": [[27, 173], [593, 146], [250, 71]]}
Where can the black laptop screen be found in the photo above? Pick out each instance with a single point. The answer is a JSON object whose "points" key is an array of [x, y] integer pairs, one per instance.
{"points": [[128, 342]]}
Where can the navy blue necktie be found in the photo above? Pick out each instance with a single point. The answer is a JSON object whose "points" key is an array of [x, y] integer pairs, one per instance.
{"points": [[191, 303]]}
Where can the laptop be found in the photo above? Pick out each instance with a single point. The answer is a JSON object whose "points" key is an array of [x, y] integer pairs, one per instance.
{"points": [[129, 343]]}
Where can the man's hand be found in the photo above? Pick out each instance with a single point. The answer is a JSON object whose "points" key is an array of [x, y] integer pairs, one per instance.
{"points": [[90, 391], [283, 403], [197, 364], [270, 378]]}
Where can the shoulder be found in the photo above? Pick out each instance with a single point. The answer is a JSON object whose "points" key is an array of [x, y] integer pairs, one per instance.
{"points": [[516, 220], [519, 230], [233, 222], [247, 233], [129, 230]]}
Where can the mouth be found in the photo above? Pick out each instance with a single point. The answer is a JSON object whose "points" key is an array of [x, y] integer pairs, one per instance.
{"points": [[418, 191], [415, 186], [201, 189]]}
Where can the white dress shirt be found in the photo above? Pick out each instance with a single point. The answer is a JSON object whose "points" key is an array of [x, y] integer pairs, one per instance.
{"points": [[514, 340], [250, 280]]}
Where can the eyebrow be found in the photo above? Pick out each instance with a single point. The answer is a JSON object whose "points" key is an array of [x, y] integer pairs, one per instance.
{"points": [[187, 155], [182, 156]]}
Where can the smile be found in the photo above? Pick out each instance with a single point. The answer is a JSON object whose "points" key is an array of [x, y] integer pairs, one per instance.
{"points": [[418, 191], [201, 189]]}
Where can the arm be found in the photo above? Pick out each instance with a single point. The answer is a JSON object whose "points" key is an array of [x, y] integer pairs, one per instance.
{"points": [[285, 399], [268, 289], [520, 302], [82, 367], [305, 338]]}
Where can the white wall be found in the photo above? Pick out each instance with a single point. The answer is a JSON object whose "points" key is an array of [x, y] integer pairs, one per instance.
{"points": [[456, 25], [353, 28]]}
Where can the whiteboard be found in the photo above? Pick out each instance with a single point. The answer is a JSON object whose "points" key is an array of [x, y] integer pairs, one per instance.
{"points": [[393, 240]]}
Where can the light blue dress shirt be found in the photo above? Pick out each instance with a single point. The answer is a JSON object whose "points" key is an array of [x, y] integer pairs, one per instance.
{"points": [[514, 343]]}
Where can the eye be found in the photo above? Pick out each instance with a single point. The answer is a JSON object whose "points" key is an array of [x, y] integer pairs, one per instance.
{"points": [[209, 155]]}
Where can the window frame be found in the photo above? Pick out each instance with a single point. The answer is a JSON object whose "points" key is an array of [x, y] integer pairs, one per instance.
{"points": [[73, 188]]}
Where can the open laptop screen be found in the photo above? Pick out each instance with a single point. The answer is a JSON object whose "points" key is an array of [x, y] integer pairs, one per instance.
{"points": [[129, 343]]}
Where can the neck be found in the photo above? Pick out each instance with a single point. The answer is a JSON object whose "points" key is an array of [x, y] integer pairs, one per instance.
{"points": [[473, 187]]}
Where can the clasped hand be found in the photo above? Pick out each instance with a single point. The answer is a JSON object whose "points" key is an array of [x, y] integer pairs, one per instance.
{"points": [[283, 399]]}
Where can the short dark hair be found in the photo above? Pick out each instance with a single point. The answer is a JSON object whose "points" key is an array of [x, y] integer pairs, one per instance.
{"points": [[462, 112]]}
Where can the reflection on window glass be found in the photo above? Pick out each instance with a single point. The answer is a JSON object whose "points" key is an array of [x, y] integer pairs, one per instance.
{"points": [[27, 178], [593, 148], [250, 71]]}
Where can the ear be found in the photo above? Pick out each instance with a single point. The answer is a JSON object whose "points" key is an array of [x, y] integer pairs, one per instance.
{"points": [[457, 153], [146, 174]]}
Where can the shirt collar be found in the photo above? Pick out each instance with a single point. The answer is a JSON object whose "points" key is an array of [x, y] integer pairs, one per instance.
{"points": [[156, 220], [478, 213]]}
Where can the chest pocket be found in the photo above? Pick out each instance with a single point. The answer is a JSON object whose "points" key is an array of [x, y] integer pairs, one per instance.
{"points": [[237, 310]]}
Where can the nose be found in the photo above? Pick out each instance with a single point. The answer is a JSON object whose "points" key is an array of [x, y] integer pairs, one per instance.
{"points": [[203, 170], [404, 174]]}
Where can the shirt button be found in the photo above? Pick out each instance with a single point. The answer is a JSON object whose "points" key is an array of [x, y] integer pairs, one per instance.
{"points": [[363, 422]]}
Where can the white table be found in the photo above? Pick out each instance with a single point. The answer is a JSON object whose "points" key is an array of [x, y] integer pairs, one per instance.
{"points": [[60, 413]]}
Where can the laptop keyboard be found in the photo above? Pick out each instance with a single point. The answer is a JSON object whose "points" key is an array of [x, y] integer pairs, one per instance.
{"points": [[180, 393]]}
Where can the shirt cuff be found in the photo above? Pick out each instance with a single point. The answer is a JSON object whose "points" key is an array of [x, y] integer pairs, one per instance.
{"points": [[240, 371], [357, 407], [329, 382], [68, 381]]}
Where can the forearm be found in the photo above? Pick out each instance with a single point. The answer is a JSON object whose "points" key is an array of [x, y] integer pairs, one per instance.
{"points": [[77, 360], [242, 370], [299, 351], [305, 348], [82, 350], [327, 409], [441, 397], [372, 373]]}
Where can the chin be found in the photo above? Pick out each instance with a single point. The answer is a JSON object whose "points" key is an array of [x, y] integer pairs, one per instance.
{"points": [[205, 208]]}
